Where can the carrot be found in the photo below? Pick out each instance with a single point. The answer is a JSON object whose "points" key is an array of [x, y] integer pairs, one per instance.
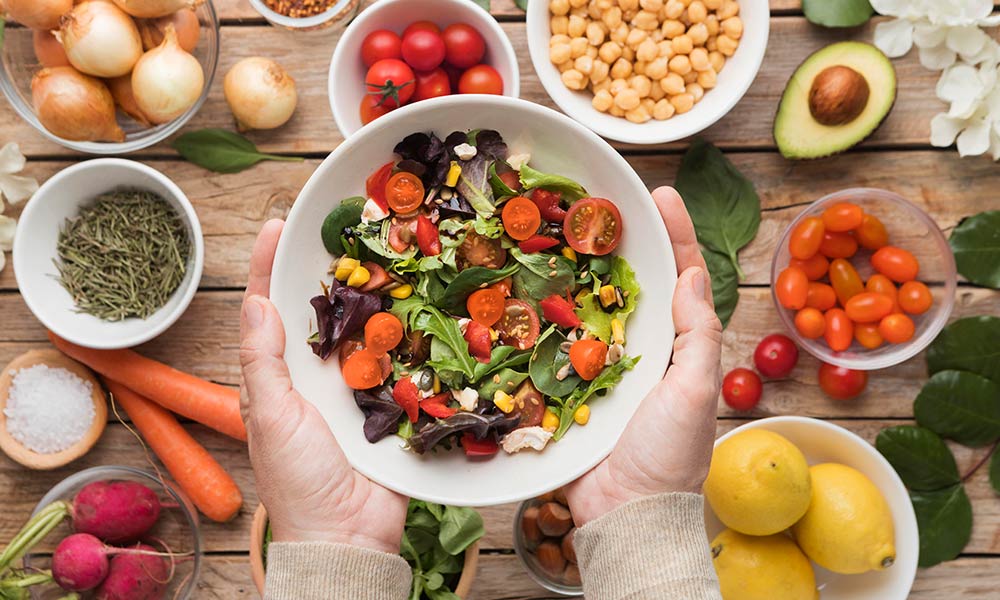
{"points": [[210, 404], [201, 477]]}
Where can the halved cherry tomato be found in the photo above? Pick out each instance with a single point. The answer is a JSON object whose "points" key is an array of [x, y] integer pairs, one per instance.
{"points": [[839, 330], [588, 357], [477, 448], [897, 328], [529, 405], [841, 383], [821, 296], [810, 323], [407, 396], [868, 307], [383, 332], [915, 298], [402, 233], [362, 370], [521, 218], [880, 284], [537, 243], [792, 288], [518, 326], [478, 338], [378, 276], [372, 108], [845, 280], [404, 192], [806, 237], [428, 239], [351, 347], [868, 336], [560, 311], [593, 226], [872, 233], [485, 306], [815, 268], [437, 406], [512, 179], [375, 186], [480, 251], [504, 286], [838, 245], [896, 264], [843, 216], [548, 204]]}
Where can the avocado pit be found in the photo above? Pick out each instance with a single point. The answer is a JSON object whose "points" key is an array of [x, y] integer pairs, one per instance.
{"points": [[838, 96]]}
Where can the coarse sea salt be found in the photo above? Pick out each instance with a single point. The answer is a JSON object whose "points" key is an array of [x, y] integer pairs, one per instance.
{"points": [[49, 409]]}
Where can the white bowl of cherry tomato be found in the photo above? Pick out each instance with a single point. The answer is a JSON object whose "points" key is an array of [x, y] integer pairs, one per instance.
{"points": [[398, 52], [863, 279]]}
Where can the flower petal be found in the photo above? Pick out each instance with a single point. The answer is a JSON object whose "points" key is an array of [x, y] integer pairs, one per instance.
{"points": [[944, 130], [927, 35], [11, 159], [995, 145], [894, 38], [17, 188], [7, 228], [892, 8], [3, 261], [937, 58], [959, 82], [968, 40], [975, 139]]}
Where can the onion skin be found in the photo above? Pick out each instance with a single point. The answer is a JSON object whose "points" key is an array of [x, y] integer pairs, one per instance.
{"points": [[153, 9], [121, 91], [100, 39], [74, 106], [38, 14], [167, 81], [185, 22], [260, 93], [48, 50]]}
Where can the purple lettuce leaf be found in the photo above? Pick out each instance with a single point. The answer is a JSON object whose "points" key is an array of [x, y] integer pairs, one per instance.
{"points": [[496, 425], [340, 315], [381, 412]]}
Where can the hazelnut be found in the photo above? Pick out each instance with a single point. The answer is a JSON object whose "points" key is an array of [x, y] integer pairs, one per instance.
{"points": [[838, 95], [554, 519], [568, 550], [550, 558], [529, 526], [571, 576]]}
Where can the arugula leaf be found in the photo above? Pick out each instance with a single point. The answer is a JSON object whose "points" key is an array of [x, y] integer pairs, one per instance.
{"points": [[610, 377], [468, 281], [919, 456], [474, 185], [725, 284], [976, 244], [345, 214], [535, 281], [571, 190], [944, 518], [547, 359], [452, 349], [460, 528], [222, 151], [596, 320], [968, 344], [960, 405], [502, 357], [838, 13], [995, 471]]}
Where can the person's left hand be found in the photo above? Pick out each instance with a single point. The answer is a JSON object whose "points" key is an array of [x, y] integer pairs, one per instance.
{"points": [[303, 478]]}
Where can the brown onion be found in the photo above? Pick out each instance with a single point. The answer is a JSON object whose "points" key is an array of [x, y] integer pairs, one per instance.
{"points": [[260, 93], [75, 106], [100, 39], [152, 9], [48, 50], [121, 91], [38, 14], [185, 22], [167, 81]]}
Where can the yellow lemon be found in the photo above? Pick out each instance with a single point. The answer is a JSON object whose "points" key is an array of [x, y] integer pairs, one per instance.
{"points": [[758, 483], [762, 568], [848, 527]]}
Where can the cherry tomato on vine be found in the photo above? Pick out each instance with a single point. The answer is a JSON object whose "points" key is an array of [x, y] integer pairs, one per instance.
{"points": [[880, 284], [404, 192], [845, 280], [380, 44], [421, 26], [820, 296], [521, 218], [392, 81], [776, 356], [810, 323], [362, 370], [465, 45], [896, 264], [741, 389], [896, 328], [868, 336], [814, 268], [383, 332], [792, 288], [485, 306], [872, 233], [372, 108], [843, 216], [806, 238], [915, 298], [587, 358], [423, 50], [431, 84], [519, 325], [868, 307], [839, 330], [840, 383], [593, 226], [481, 79], [838, 245]]}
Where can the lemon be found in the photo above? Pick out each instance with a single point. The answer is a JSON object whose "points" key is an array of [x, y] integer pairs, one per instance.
{"points": [[762, 568], [758, 483], [848, 527]]}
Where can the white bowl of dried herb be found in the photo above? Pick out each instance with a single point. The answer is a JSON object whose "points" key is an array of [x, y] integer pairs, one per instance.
{"points": [[108, 253]]}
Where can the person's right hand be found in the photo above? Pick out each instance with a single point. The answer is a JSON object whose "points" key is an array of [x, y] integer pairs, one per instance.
{"points": [[667, 446]]}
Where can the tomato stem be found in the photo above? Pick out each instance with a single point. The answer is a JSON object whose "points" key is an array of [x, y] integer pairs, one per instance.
{"points": [[388, 90]]}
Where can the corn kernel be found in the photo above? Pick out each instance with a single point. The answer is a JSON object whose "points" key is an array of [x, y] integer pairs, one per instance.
{"points": [[608, 295], [550, 422], [494, 335], [503, 401], [453, 172], [402, 292], [437, 384], [359, 277], [345, 267], [582, 415], [569, 253], [617, 331]]}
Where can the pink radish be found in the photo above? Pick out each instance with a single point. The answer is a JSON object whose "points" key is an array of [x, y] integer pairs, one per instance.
{"points": [[80, 563], [117, 512], [135, 576]]}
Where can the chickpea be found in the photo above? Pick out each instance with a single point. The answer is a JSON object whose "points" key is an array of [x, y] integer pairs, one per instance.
{"points": [[638, 115], [559, 25], [591, 52], [577, 26], [727, 45], [594, 33], [559, 38], [733, 27], [602, 101], [699, 59], [718, 60], [559, 54], [584, 64], [672, 84], [646, 20], [648, 104], [636, 37], [673, 9], [574, 79], [712, 25], [683, 44], [697, 12], [602, 4], [656, 35], [663, 110], [610, 52], [657, 69], [642, 85], [690, 77], [651, 5], [628, 15], [682, 103], [656, 91], [579, 12], [707, 79], [578, 47], [680, 64], [712, 44], [698, 34], [593, 10], [729, 8], [621, 69], [599, 72], [578, 3], [672, 28], [602, 86], [612, 17], [627, 5], [665, 49], [627, 99], [620, 34], [628, 54], [616, 112], [566, 66], [618, 86], [713, 4], [638, 68], [647, 51], [696, 91], [559, 7]]}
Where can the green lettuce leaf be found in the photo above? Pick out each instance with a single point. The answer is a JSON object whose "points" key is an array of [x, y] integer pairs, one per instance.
{"points": [[571, 190], [535, 280], [595, 319]]}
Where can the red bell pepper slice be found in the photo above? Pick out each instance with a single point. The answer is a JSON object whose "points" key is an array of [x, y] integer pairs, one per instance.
{"points": [[428, 239], [560, 311], [537, 243], [437, 406], [407, 396], [480, 344], [548, 204], [474, 447], [375, 186]]}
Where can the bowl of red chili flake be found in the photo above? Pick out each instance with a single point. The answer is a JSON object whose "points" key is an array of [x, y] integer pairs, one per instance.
{"points": [[306, 15]]}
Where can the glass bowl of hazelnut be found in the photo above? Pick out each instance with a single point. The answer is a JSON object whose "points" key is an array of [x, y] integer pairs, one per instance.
{"points": [[543, 539]]}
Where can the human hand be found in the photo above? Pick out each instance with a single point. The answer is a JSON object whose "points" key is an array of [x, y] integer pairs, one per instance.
{"points": [[667, 446], [303, 478]]}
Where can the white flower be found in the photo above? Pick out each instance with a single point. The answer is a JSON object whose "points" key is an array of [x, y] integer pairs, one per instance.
{"points": [[13, 187]]}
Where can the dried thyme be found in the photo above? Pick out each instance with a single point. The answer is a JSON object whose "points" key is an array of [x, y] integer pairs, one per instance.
{"points": [[124, 255]]}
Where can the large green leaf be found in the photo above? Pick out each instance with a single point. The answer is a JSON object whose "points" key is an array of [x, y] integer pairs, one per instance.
{"points": [[222, 151], [460, 528], [837, 13], [919, 456], [961, 406], [725, 284], [976, 244], [995, 471], [944, 518], [969, 344]]}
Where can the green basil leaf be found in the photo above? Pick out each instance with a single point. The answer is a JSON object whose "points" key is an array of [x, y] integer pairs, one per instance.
{"points": [[995, 471], [838, 13], [725, 284], [346, 214], [460, 528], [468, 281], [222, 151], [968, 344], [546, 361], [944, 518], [919, 456], [722, 202], [571, 190], [961, 406], [976, 244]]}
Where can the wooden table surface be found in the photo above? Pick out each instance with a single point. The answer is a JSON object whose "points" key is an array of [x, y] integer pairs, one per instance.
{"points": [[232, 208]]}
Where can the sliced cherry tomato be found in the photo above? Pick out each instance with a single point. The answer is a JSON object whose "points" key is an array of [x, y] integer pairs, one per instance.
{"points": [[537, 243], [372, 108], [872, 233], [380, 44], [383, 332], [838, 245], [868, 307], [512, 179], [840, 383], [588, 357], [810, 323], [404, 192], [792, 288], [375, 186], [839, 330], [549, 205], [480, 251], [421, 26], [407, 396], [428, 239], [437, 406], [504, 286], [843, 216], [423, 50], [481, 79], [776, 356], [821, 296], [529, 405], [465, 45], [897, 328], [560, 311], [880, 284], [431, 84], [362, 370], [868, 336], [378, 277], [519, 325], [521, 218], [806, 237], [845, 280], [478, 448], [478, 338], [392, 81], [741, 389], [814, 268], [915, 298], [350, 347], [593, 226], [402, 233], [485, 306], [896, 264]]}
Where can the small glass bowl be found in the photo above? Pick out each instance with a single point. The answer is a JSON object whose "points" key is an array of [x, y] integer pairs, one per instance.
{"points": [[177, 527], [527, 556], [339, 14], [18, 65], [909, 228]]}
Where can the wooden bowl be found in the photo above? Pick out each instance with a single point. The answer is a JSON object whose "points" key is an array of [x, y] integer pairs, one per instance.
{"points": [[259, 527], [29, 458]]}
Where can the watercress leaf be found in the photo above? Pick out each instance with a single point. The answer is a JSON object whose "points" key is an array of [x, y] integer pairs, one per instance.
{"points": [[995, 471], [919, 456], [346, 214], [968, 344], [546, 361], [421, 540], [443, 594], [474, 185], [460, 528], [406, 548], [722, 202], [944, 519], [598, 321], [725, 284], [434, 582], [571, 190], [535, 280], [961, 406], [448, 564], [435, 509], [610, 377], [976, 244], [417, 592], [222, 151], [505, 380], [838, 13], [469, 280], [422, 519]]}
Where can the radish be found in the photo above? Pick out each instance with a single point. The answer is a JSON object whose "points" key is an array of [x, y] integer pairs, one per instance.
{"points": [[117, 512], [80, 563], [135, 576]]}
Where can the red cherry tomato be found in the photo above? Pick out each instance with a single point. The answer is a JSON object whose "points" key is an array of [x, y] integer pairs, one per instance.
{"points": [[741, 389], [867, 335], [465, 46], [392, 81], [880, 284], [375, 186], [896, 264], [521, 218], [478, 448], [428, 239], [537, 243], [821, 296], [402, 233], [421, 26], [896, 328], [350, 347], [868, 307], [872, 234], [593, 226], [481, 79], [915, 298], [504, 286], [480, 251], [404, 192], [519, 325], [810, 323], [485, 306], [478, 338], [839, 330], [372, 108], [843, 216], [549, 205], [560, 311], [431, 84], [840, 383], [806, 238], [814, 268], [437, 406], [792, 288], [383, 332], [407, 396], [588, 357], [838, 245], [362, 370], [776, 356], [380, 44], [423, 50], [845, 280]]}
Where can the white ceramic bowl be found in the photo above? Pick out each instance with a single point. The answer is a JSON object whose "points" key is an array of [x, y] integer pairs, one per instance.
{"points": [[35, 252], [337, 14], [823, 442], [734, 80], [346, 85], [558, 145]]}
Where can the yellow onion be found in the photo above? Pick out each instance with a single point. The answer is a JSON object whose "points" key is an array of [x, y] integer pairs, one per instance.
{"points": [[167, 81], [121, 91], [75, 106], [38, 14], [100, 39], [185, 22], [260, 93], [152, 9], [48, 50]]}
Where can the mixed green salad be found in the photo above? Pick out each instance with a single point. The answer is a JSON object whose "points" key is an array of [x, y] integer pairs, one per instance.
{"points": [[475, 301]]}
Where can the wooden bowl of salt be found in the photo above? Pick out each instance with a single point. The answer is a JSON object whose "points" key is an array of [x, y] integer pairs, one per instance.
{"points": [[60, 440]]}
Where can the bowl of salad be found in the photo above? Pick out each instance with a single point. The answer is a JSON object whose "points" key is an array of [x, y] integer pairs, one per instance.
{"points": [[476, 297]]}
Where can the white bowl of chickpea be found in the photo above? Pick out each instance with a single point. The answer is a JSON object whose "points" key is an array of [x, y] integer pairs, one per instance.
{"points": [[647, 71]]}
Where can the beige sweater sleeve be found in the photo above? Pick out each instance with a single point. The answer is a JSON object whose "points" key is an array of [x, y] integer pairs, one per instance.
{"points": [[318, 571], [650, 548]]}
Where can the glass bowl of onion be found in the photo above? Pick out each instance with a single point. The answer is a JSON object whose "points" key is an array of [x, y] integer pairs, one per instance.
{"points": [[108, 77]]}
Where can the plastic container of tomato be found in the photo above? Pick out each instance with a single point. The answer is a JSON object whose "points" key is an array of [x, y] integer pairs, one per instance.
{"points": [[909, 228]]}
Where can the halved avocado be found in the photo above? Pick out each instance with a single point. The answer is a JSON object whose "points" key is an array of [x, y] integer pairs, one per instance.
{"points": [[834, 100]]}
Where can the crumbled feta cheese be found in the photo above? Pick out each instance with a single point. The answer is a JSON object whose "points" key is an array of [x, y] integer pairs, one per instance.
{"points": [[518, 160], [465, 152], [467, 398], [463, 324], [372, 212], [528, 437]]}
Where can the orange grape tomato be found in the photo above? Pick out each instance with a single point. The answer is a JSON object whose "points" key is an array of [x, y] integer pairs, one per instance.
{"points": [[896, 328], [896, 264], [404, 192], [383, 332], [843, 216], [810, 323], [485, 306], [521, 218], [868, 307], [872, 234], [880, 284], [821, 296], [815, 268], [915, 298], [845, 280], [838, 245], [839, 331], [868, 336], [588, 358], [806, 238], [792, 288], [362, 370]]}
